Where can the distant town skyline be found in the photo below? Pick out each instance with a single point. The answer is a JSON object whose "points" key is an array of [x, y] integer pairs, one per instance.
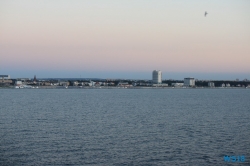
{"points": [[147, 75], [125, 39]]}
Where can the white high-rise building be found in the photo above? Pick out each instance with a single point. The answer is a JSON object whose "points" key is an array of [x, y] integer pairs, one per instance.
{"points": [[189, 81], [157, 77]]}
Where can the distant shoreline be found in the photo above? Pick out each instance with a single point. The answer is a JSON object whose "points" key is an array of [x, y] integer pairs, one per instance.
{"points": [[110, 87]]}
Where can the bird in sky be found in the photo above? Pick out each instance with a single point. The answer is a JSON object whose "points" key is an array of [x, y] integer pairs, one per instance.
{"points": [[205, 14]]}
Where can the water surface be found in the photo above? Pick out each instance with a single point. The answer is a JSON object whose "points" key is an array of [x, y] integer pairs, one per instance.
{"points": [[123, 126]]}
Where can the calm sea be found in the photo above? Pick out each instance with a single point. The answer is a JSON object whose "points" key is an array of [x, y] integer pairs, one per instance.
{"points": [[124, 126]]}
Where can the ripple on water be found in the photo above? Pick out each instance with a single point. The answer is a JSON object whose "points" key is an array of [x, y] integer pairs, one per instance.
{"points": [[123, 127]]}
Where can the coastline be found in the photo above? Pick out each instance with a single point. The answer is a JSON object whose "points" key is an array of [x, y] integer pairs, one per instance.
{"points": [[115, 87]]}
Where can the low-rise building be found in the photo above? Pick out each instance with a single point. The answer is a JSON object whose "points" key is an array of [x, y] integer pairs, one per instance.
{"points": [[177, 84], [91, 83], [190, 81], [97, 84], [47, 84], [210, 84], [160, 85], [6, 81], [64, 83], [5, 77], [124, 84], [18, 83]]}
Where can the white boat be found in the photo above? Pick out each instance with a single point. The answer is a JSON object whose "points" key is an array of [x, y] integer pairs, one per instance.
{"points": [[18, 87], [27, 86]]}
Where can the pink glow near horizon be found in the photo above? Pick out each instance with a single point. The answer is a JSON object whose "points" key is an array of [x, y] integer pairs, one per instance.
{"points": [[130, 38]]}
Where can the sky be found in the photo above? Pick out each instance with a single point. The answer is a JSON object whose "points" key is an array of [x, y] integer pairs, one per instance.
{"points": [[125, 39]]}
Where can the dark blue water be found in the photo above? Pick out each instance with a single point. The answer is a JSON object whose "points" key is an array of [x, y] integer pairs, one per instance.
{"points": [[123, 126]]}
